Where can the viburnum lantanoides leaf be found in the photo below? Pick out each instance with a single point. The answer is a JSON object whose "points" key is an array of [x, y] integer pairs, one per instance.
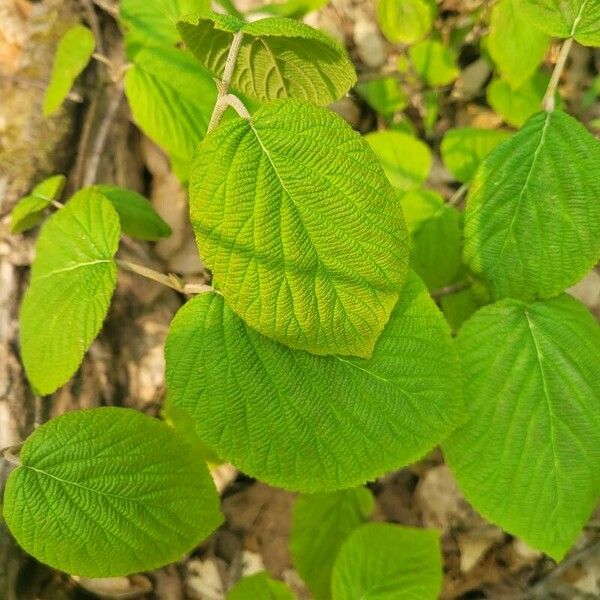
{"points": [[406, 21], [107, 492], [303, 233], [28, 212], [434, 62], [260, 587]]}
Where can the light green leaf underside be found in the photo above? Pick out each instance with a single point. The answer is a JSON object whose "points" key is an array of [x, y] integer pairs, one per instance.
{"points": [[278, 58], [384, 95], [579, 19], [260, 587], [300, 227], [320, 525], [73, 278], [171, 98], [380, 561], [337, 422], [464, 149], [72, 55], [532, 215], [434, 62], [516, 47], [108, 492], [405, 160], [28, 212], [527, 456], [405, 21]]}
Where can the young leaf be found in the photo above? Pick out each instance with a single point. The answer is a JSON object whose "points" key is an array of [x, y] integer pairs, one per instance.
{"points": [[464, 149], [434, 62], [579, 19], [528, 455], [320, 525], [405, 159], [107, 492], [384, 95], [27, 213], [260, 587], [276, 203], [380, 561], [278, 58], [516, 47], [338, 421], [546, 176], [72, 55], [171, 99], [73, 278], [406, 21]]}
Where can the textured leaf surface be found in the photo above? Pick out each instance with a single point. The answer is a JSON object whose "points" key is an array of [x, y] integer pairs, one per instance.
{"points": [[278, 58], [566, 18], [171, 98], [303, 233], [338, 421], [516, 47], [73, 278], [434, 62], [320, 525], [108, 492], [260, 587], [405, 159], [464, 149], [527, 456], [405, 21], [27, 213], [533, 216], [384, 95], [72, 55], [387, 562]]}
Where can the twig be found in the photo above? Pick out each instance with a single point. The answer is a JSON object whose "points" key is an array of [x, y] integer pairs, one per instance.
{"points": [[113, 11], [548, 101], [455, 199], [94, 24], [450, 289], [8, 454]]}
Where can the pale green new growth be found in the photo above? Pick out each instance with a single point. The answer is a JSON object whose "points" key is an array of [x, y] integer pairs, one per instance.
{"points": [[28, 212], [260, 587], [72, 281], [108, 492], [388, 562], [320, 525], [532, 215], [335, 423], [301, 229], [406, 21], [528, 455], [434, 62], [73, 54], [278, 57]]}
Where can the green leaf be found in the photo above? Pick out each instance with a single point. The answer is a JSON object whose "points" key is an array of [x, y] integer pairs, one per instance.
{"points": [[384, 95], [459, 306], [532, 215], [73, 278], [434, 62], [320, 525], [291, 8], [260, 587], [28, 212], [579, 19], [171, 98], [136, 214], [302, 231], [278, 57], [406, 21], [405, 159], [338, 421], [72, 55], [527, 457], [107, 492], [464, 149], [380, 561]]}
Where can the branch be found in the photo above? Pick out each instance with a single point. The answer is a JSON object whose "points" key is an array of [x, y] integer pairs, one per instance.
{"points": [[450, 289], [548, 100]]}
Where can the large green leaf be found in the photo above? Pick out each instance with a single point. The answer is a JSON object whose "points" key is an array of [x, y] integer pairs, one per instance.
{"points": [[303, 233], [463, 149], [28, 212], [579, 19], [72, 55], [527, 457], [516, 47], [73, 278], [260, 587], [320, 525], [171, 98], [434, 62], [278, 57], [336, 422], [380, 561], [533, 216], [406, 21], [108, 492]]}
